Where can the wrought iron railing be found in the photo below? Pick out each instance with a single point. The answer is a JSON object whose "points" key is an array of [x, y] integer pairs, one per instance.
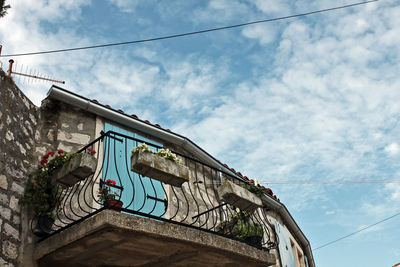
{"points": [[195, 204]]}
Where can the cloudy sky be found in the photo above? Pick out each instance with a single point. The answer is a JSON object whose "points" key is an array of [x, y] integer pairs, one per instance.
{"points": [[313, 98]]}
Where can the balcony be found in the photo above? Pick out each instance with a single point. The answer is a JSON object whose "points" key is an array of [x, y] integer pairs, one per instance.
{"points": [[208, 218]]}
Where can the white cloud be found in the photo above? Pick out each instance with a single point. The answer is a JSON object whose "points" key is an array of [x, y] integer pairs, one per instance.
{"points": [[392, 149], [272, 6], [127, 5], [393, 190], [265, 33]]}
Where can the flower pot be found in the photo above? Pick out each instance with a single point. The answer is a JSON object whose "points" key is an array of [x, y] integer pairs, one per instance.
{"points": [[75, 170], [156, 167], [238, 196], [43, 226], [113, 203]]}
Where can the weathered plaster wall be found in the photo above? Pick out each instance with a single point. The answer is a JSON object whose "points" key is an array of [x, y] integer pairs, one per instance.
{"points": [[18, 121]]}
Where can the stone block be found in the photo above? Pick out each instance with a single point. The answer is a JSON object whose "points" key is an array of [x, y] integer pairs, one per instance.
{"points": [[10, 250], [14, 204], [3, 198], [75, 170], [156, 167], [5, 213], [17, 189], [76, 138], [238, 196], [10, 231], [3, 182], [4, 263]]}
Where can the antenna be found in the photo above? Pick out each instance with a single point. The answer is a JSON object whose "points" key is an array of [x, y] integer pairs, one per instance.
{"points": [[10, 71]]}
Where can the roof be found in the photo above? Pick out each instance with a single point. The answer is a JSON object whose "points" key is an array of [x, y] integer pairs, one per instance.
{"points": [[133, 121]]}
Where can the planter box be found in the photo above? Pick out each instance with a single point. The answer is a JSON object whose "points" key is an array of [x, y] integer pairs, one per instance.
{"points": [[75, 170], [156, 167], [238, 196], [113, 203]]}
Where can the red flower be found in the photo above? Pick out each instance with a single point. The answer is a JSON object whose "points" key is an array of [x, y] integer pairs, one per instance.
{"points": [[46, 156], [60, 151], [43, 162], [62, 156], [51, 153], [91, 150], [109, 181]]}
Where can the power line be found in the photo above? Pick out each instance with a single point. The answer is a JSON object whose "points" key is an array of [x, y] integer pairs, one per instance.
{"points": [[353, 233], [332, 182], [188, 33]]}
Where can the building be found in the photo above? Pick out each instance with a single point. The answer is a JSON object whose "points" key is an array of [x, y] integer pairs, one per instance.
{"points": [[203, 214]]}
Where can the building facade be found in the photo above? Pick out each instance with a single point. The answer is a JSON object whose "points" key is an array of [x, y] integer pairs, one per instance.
{"points": [[191, 211]]}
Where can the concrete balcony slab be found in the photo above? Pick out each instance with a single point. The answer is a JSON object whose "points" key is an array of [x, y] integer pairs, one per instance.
{"points": [[110, 238]]}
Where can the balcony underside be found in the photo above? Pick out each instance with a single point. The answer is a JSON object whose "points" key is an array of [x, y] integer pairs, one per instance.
{"points": [[110, 238]]}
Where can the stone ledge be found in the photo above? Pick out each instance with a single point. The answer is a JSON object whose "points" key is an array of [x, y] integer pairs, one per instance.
{"points": [[125, 240]]}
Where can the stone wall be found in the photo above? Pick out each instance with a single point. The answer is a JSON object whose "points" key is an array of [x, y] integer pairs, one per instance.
{"points": [[18, 123], [26, 134], [64, 127]]}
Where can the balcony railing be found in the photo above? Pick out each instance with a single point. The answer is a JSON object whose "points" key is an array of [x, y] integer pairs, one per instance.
{"points": [[197, 203]]}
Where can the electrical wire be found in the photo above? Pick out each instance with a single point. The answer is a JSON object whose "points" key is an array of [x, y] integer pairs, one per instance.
{"points": [[356, 232], [332, 182], [188, 33]]}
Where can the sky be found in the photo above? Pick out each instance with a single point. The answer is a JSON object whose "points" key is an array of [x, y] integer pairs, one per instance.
{"points": [[314, 98]]}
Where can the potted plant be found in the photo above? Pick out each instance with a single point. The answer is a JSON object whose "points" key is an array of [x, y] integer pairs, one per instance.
{"points": [[42, 195], [107, 195], [77, 168], [240, 226], [163, 165]]}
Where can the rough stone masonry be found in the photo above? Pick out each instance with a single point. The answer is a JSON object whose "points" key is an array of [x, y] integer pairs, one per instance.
{"points": [[18, 129]]}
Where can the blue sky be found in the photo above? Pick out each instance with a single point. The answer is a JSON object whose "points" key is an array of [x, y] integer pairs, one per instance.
{"points": [[313, 98]]}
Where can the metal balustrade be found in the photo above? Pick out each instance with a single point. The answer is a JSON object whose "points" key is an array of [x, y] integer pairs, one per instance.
{"points": [[196, 204]]}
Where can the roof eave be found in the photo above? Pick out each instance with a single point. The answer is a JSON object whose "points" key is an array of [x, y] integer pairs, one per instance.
{"points": [[76, 100]]}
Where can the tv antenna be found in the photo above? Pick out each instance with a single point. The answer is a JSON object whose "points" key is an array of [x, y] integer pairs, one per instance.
{"points": [[30, 75]]}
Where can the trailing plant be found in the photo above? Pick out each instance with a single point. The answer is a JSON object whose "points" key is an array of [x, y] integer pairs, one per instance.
{"points": [[41, 194], [164, 153], [106, 193]]}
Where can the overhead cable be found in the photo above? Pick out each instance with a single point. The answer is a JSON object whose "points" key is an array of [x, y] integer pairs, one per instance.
{"points": [[353, 233], [378, 181], [188, 33]]}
